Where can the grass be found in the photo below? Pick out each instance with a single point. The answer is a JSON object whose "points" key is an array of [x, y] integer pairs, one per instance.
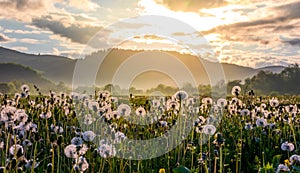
{"points": [[240, 142]]}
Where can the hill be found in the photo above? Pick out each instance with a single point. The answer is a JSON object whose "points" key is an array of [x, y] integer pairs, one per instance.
{"points": [[61, 69], [54, 68]]}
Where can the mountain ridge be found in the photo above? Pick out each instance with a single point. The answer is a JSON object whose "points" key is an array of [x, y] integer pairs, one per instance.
{"points": [[61, 69]]}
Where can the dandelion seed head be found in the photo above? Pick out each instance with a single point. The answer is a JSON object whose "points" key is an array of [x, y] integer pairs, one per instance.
{"points": [[88, 136], [209, 129], [140, 111], [71, 151]]}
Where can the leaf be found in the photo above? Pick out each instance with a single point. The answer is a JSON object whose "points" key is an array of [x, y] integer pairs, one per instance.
{"points": [[181, 169], [276, 160], [269, 167]]}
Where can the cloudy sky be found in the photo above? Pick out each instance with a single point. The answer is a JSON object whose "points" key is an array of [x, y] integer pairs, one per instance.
{"points": [[246, 32]]}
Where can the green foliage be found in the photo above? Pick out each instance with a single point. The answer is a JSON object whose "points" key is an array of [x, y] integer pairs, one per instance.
{"points": [[267, 83]]}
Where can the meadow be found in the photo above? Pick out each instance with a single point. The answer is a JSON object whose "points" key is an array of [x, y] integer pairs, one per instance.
{"points": [[240, 133]]}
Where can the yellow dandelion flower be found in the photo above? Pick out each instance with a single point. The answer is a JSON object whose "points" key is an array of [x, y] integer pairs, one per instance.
{"points": [[162, 170]]}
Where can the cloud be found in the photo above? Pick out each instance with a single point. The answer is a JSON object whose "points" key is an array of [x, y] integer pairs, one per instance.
{"points": [[191, 5], [20, 48], [293, 42], [74, 31], [25, 10], [283, 13], [85, 5], [4, 38], [30, 41], [279, 20], [289, 11], [21, 4], [19, 31]]}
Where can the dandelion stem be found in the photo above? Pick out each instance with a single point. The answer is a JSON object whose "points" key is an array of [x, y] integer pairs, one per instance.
{"points": [[34, 157], [58, 161], [221, 159]]}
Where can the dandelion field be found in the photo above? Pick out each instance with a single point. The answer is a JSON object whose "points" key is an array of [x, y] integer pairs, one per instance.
{"points": [[240, 133]]}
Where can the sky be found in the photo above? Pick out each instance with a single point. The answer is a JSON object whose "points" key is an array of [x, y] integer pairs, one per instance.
{"points": [[250, 33]]}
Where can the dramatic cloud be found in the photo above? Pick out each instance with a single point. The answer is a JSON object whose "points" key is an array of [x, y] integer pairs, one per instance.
{"points": [[191, 5], [283, 14], [74, 31]]}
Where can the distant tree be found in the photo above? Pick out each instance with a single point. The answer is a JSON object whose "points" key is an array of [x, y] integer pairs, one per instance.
{"points": [[266, 83]]}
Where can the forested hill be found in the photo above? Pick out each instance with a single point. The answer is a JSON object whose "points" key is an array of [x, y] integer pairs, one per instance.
{"points": [[286, 82]]}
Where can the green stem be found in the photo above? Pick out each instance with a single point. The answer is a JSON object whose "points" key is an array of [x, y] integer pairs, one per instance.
{"points": [[221, 159]]}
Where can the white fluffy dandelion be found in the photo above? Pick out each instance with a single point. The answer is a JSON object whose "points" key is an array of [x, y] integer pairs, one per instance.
{"points": [[88, 136], [71, 151]]}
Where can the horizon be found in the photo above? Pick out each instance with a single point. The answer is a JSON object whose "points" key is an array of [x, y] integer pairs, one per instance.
{"points": [[138, 50], [247, 33]]}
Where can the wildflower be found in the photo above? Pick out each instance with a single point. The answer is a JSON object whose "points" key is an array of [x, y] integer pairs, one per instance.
{"points": [[248, 126], [106, 150], [94, 106], [162, 100], [52, 94], [236, 90], [287, 146], [181, 95], [119, 136], [49, 166], [124, 110], [162, 170], [81, 164], [207, 101], [282, 167], [77, 141], [199, 121], [140, 111], [209, 129], [21, 116], [115, 114], [163, 123], [88, 136], [263, 106], [222, 102], [56, 129], [16, 149], [245, 112], [88, 119], [46, 115], [274, 102], [199, 129], [172, 105], [71, 151], [155, 103], [83, 150], [17, 96], [25, 88], [29, 164], [104, 95], [294, 158], [190, 101], [261, 122], [26, 143], [219, 140], [8, 114]]}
